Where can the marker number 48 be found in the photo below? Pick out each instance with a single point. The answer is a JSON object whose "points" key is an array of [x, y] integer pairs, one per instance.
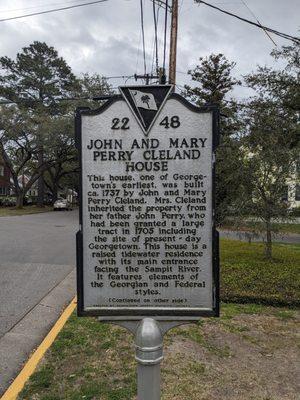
{"points": [[172, 122]]}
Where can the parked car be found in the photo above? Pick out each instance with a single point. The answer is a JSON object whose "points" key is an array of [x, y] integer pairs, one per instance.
{"points": [[62, 204]]}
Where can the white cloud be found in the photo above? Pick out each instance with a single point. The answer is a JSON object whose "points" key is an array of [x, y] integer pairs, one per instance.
{"points": [[106, 38]]}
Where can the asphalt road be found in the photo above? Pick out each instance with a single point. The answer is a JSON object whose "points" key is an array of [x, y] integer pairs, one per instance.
{"points": [[291, 238], [36, 253]]}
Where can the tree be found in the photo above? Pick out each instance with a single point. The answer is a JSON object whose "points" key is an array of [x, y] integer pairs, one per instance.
{"points": [[214, 78], [271, 141], [269, 163], [63, 153], [282, 85], [19, 149], [91, 86], [38, 80], [65, 168], [214, 82]]}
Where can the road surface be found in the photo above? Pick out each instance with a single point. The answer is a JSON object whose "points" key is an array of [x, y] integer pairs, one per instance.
{"points": [[291, 238], [37, 259]]}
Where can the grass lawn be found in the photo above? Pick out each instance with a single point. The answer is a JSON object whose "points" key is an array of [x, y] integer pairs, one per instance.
{"points": [[246, 276], [250, 353], [11, 211], [280, 227]]}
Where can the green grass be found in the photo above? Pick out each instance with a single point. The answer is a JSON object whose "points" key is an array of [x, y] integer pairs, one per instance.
{"points": [[231, 310], [87, 361], [247, 277], [91, 360], [12, 211]]}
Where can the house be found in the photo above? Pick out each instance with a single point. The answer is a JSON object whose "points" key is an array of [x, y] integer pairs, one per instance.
{"points": [[293, 188], [5, 176], [33, 191]]}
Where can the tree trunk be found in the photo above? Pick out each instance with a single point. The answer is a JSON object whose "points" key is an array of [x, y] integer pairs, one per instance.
{"points": [[41, 186], [268, 244], [20, 199], [54, 193]]}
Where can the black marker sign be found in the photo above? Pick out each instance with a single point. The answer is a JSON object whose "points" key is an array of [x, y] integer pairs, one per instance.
{"points": [[147, 244]]}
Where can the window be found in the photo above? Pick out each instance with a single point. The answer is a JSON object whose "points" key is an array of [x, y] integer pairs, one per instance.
{"points": [[298, 167], [1, 170], [2, 190], [297, 195], [285, 193]]}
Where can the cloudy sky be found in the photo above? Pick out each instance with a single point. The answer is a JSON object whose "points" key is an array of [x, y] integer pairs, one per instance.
{"points": [[106, 37]]}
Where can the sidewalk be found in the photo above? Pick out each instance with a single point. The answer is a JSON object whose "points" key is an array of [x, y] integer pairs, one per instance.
{"points": [[18, 343]]}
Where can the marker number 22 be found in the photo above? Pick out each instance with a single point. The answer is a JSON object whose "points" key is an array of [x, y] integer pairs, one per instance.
{"points": [[120, 124]]}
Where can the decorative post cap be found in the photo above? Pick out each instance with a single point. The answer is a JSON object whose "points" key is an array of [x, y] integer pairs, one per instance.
{"points": [[149, 342]]}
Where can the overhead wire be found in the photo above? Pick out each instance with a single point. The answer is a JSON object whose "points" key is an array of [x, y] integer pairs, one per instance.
{"points": [[180, 7], [163, 4], [254, 16], [7, 102], [160, 33], [53, 10], [143, 35], [153, 50], [153, 56], [265, 28], [10, 10], [165, 37], [118, 77], [155, 33], [138, 53]]}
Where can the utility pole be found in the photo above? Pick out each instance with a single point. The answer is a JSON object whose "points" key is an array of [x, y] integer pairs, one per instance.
{"points": [[173, 43]]}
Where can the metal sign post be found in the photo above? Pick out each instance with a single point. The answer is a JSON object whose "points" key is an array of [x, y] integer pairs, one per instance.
{"points": [[147, 249]]}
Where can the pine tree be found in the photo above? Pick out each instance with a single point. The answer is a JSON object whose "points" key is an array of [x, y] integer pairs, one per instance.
{"points": [[37, 81], [214, 80]]}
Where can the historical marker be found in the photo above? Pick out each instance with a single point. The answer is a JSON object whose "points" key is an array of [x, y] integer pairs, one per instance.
{"points": [[147, 244]]}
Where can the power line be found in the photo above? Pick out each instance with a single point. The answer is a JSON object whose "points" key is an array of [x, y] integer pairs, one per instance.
{"points": [[165, 37], [10, 10], [138, 52], [143, 35], [155, 32], [156, 42], [265, 28], [160, 33], [118, 77], [53, 10], [153, 56], [100, 97], [163, 5], [252, 13]]}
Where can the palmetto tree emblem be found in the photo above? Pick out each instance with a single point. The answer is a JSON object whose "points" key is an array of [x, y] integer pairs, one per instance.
{"points": [[146, 99], [145, 102]]}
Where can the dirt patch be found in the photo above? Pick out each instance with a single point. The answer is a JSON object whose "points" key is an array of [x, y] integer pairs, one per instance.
{"points": [[248, 357], [250, 353]]}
